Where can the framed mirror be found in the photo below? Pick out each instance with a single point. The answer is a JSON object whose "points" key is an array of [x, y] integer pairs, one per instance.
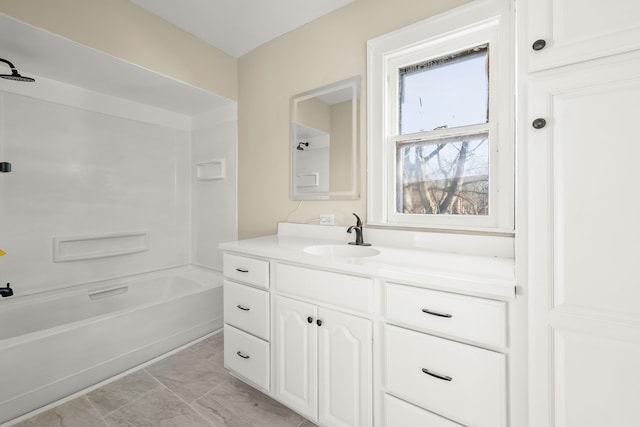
{"points": [[324, 142]]}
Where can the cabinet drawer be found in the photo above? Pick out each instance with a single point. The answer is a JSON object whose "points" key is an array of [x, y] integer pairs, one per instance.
{"points": [[475, 319], [398, 413], [337, 289], [458, 381], [246, 355], [247, 308], [247, 270]]}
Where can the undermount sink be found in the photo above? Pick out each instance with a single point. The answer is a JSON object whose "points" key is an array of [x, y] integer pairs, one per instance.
{"points": [[341, 251]]}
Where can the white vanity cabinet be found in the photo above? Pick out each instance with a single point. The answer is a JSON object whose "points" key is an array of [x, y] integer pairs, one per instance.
{"points": [[461, 382], [247, 319], [352, 343], [323, 356]]}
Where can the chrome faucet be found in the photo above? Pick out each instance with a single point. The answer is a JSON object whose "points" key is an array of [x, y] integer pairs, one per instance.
{"points": [[6, 292], [358, 229]]}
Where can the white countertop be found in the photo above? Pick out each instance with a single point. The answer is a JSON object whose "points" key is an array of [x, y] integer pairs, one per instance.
{"points": [[472, 274]]}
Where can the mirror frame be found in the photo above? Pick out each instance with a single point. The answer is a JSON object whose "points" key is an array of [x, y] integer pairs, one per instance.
{"points": [[353, 192]]}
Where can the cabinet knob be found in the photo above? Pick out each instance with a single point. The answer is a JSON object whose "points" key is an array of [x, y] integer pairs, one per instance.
{"points": [[310, 319], [319, 322], [539, 123], [539, 44]]}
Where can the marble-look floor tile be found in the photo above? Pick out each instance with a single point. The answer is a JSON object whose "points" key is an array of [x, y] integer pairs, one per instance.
{"points": [[189, 374], [155, 397], [75, 413], [218, 414], [233, 403], [209, 347], [127, 389], [159, 408]]}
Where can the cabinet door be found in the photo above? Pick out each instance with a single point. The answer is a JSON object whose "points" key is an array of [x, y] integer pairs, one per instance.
{"points": [[575, 30], [345, 370], [296, 356], [584, 234]]}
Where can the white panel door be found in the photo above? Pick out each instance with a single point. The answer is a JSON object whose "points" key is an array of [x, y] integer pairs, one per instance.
{"points": [[296, 356], [578, 30], [584, 244], [344, 370]]}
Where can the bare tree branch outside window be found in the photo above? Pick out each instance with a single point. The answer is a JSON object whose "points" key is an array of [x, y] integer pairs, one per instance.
{"points": [[448, 176]]}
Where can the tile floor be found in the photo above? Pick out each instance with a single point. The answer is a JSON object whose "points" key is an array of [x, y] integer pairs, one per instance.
{"points": [[190, 388]]}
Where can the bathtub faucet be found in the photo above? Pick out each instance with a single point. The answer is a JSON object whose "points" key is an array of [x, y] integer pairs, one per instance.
{"points": [[6, 292]]}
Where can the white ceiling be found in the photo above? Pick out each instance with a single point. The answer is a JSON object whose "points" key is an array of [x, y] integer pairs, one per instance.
{"points": [[239, 26]]}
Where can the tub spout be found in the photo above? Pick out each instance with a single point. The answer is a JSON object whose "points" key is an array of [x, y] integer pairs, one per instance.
{"points": [[6, 292]]}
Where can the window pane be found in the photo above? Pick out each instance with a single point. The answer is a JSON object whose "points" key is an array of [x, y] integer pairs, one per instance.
{"points": [[444, 176], [446, 92]]}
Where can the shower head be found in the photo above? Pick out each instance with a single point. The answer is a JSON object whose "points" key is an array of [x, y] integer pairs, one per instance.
{"points": [[14, 74]]}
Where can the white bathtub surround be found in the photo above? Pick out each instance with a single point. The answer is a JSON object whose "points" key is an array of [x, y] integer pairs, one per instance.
{"points": [[84, 170], [78, 172], [214, 208], [61, 342], [98, 207]]}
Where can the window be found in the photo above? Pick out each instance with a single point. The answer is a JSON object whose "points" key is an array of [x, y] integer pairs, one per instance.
{"points": [[440, 113], [445, 92]]}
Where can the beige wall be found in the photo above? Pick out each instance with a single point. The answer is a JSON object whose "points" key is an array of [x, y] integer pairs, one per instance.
{"points": [[327, 50], [340, 151], [126, 31], [314, 113]]}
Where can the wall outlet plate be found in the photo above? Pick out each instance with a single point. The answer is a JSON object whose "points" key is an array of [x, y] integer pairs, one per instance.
{"points": [[327, 219]]}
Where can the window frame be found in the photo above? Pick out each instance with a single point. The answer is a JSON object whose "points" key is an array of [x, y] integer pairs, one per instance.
{"points": [[481, 22]]}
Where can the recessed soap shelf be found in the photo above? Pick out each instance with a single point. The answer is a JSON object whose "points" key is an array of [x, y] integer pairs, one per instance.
{"points": [[211, 170]]}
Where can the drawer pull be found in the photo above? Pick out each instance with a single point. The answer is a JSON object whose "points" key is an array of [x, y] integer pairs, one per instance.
{"points": [[435, 313], [246, 356], [242, 270], [438, 376], [242, 307]]}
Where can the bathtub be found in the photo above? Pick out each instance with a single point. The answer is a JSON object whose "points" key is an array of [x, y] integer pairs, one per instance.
{"points": [[55, 344]]}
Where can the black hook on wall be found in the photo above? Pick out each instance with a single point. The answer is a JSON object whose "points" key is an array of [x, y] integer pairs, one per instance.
{"points": [[5, 167]]}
